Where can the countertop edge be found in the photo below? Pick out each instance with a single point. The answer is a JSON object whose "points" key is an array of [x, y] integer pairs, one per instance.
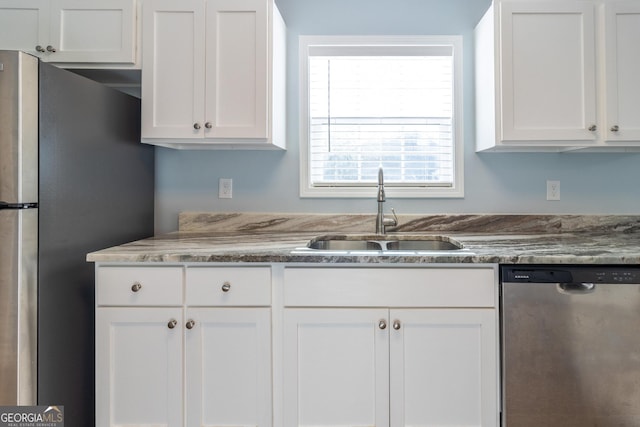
{"points": [[278, 247]]}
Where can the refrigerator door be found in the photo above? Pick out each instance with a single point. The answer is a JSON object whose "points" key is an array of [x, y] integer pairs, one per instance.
{"points": [[96, 191], [18, 127], [18, 306], [18, 227]]}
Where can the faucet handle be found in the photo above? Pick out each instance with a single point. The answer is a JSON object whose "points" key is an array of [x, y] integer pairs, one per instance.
{"points": [[391, 221]]}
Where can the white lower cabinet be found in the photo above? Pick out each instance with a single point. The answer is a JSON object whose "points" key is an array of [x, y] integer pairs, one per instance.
{"points": [[192, 345], [228, 367], [138, 366], [336, 367], [203, 362], [443, 367], [423, 361]]}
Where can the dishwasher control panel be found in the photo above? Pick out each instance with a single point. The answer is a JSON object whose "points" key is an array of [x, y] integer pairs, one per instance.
{"points": [[580, 274]]}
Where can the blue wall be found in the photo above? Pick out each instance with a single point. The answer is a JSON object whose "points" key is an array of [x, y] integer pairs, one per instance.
{"points": [[494, 183]]}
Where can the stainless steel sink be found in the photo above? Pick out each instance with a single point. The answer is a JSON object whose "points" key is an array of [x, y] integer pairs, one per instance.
{"points": [[389, 242], [344, 245], [424, 245]]}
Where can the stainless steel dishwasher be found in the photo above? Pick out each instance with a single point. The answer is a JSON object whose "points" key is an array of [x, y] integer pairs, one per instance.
{"points": [[570, 340]]}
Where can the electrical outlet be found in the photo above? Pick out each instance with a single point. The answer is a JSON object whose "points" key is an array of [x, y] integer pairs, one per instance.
{"points": [[225, 188], [553, 190]]}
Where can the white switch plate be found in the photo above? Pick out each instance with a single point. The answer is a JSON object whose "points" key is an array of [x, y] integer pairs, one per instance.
{"points": [[553, 190], [225, 188]]}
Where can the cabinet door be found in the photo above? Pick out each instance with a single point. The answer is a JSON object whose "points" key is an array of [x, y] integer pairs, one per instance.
{"points": [[336, 364], [139, 367], [237, 70], [24, 24], [622, 33], [96, 31], [228, 354], [173, 73], [548, 71], [443, 367]]}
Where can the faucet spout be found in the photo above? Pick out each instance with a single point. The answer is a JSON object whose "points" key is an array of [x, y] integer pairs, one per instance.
{"points": [[381, 195], [381, 221]]}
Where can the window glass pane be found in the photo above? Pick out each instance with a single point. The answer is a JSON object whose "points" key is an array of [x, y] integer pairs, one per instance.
{"points": [[389, 111]]}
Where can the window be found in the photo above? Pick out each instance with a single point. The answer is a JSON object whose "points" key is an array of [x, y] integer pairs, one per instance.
{"points": [[390, 102]]}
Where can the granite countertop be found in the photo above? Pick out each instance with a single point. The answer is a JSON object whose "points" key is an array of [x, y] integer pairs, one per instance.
{"points": [[276, 238]]}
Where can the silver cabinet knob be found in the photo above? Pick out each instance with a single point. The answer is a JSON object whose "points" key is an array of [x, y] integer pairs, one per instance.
{"points": [[196, 126], [396, 324], [226, 287], [172, 323], [190, 324], [593, 128], [51, 49], [208, 125], [39, 48], [615, 128], [382, 324], [136, 287]]}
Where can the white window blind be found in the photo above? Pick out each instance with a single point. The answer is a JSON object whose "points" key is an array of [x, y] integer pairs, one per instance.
{"points": [[381, 106]]}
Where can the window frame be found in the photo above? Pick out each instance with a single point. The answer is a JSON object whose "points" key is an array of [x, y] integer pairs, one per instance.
{"points": [[307, 190]]}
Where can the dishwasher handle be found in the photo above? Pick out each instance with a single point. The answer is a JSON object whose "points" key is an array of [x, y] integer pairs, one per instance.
{"points": [[576, 288]]}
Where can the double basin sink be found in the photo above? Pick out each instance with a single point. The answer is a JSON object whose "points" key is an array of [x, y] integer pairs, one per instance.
{"points": [[388, 243]]}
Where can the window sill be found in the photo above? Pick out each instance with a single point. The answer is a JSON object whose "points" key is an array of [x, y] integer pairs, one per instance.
{"points": [[390, 192]]}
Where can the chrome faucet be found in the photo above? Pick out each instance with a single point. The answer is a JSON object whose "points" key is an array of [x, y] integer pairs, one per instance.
{"points": [[381, 221]]}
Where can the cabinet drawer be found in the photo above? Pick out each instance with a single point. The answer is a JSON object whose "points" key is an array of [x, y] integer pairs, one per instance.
{"points": [[390, 287], [150, 286], [228, 286]]}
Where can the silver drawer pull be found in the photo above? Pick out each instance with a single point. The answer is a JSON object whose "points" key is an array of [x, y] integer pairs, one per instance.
{"points": [[382, 324], [615, 128], [172, 323], [190, 324], [136, 287], [226, 287], [396, 325]]}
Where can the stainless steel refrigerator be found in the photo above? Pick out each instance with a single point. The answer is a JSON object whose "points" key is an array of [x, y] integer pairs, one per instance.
{"points": [[74, 178]]}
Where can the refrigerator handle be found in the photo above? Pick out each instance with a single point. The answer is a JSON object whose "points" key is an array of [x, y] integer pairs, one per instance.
{"points": [[5, 205]]}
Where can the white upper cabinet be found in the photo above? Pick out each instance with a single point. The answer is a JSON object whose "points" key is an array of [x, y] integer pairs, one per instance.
{"points": [[548, 71], [213, 74], [98, 33], [556, 75], [622, 68], [236, 77], [173, 72], [24, 24]]}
